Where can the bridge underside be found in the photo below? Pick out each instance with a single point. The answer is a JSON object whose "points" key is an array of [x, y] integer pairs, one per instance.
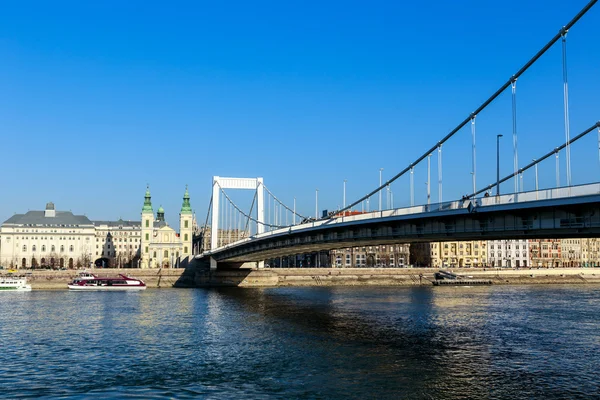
{"points": [[578, 220]]}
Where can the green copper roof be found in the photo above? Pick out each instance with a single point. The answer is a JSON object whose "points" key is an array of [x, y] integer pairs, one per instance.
{"points": [[147, 203], [186, 208], [160, 214]]}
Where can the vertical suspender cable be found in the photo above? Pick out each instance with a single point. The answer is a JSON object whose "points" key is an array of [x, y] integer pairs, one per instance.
{"points": [[412, 183], [236, 235], [514, 126], [566, 105], [225, 212], [599, 144], [485, 103], [474, 172], [220, 227], [557, 171], [429, 178], [440, 173], [208, 215], [229, 223]]}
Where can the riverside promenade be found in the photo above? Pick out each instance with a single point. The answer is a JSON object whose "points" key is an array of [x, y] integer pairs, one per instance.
{"points": [[285, 277]]}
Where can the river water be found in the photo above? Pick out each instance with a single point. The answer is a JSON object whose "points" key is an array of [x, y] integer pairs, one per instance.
{"points": [[496, 342]]}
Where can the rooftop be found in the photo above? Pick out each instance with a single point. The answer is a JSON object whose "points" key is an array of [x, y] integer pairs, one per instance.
{"points": [[39, 218]]}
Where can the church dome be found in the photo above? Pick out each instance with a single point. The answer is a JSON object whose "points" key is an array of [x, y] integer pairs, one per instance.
{"points": [[161, 210]]}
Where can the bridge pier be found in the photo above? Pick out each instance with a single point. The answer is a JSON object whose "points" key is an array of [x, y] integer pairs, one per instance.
{"points": [[243, 265]]}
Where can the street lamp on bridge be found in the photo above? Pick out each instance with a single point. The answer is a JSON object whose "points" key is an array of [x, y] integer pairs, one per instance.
{"points": [[498, 164], [316, 203], [380, 170], [344, 193]]}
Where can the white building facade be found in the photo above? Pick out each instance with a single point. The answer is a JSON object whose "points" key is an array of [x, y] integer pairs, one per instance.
{"points": [[61, 239], [53, 238], [509, 253]]}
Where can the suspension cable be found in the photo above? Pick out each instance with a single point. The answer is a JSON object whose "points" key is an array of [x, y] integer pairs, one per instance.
{"points": [[566, 105], [250, 213], [474, 166], [280, 202], [538, 160], [244, 214], [208, 212], [514, 127], [482, 106]]}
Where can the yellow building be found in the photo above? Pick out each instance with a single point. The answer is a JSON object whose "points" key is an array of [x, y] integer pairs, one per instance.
{"points": [[161, 246], [590, 252], [458, 254]]}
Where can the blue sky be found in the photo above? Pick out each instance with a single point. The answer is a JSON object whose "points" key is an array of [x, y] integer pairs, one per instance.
{"points": [[97, 99]]}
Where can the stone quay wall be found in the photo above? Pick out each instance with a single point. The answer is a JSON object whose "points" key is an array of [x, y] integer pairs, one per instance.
{"points": [[50, 280], [190, 277], [382, 276]]}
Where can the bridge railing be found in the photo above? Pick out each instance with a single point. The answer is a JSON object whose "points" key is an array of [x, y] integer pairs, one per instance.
{"points": [[507, 199]]}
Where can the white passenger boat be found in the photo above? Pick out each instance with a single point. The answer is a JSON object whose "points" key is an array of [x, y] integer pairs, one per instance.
{"points": [[14, 284], [89, 281]]}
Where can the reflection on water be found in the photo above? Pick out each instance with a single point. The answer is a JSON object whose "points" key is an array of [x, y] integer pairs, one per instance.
{"points": [[366, 342]]}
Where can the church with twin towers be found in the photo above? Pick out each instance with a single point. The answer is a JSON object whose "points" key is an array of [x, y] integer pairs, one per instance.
{"points": [[160, 244], [56, 239]]}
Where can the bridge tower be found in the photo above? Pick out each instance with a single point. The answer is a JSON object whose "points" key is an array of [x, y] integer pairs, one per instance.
{"points": [[235, 183]]}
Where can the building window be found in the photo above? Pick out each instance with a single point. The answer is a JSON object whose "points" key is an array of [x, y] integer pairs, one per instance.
{"points": [[146, 249], [147, 223], [43, 248], [24, 248], [62, 249], [185, 223], [147, 236], [71, 248], [53, 249], [185, 250], [155, 254], [185, 237], [33, 248], [166, 254]]}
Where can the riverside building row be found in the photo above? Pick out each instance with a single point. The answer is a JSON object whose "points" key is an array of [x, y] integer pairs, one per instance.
{"points": [[455, 254], [61, 239], [509, 253]]}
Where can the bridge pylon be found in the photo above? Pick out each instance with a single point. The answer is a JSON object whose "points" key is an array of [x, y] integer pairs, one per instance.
{"points": [[219, 183]]}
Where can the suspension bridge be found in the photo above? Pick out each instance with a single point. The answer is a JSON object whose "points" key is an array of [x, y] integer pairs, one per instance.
{"points": [[270, 228]]}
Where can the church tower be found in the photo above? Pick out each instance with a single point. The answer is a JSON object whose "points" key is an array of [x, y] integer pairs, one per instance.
{"points": [[160, 214], [186, 225], [147, 230]]}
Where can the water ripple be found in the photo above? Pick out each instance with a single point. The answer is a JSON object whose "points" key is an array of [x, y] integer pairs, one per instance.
{"points": [[288, 343]]}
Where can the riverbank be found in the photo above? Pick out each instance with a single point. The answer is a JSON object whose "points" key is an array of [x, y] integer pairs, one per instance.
{"points": [[58, 280], [285, 277], [381, 277]]}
